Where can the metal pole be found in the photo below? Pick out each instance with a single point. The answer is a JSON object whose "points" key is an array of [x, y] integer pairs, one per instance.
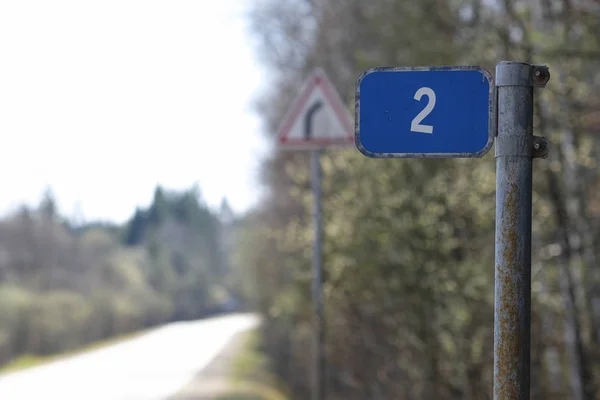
{"points": [[515, 149], [318, 389]]}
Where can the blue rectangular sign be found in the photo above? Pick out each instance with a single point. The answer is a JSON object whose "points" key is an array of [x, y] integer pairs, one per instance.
{"points": [[425, 112]]}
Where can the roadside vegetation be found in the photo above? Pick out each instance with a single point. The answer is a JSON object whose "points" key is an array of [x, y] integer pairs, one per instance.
{"points": [[409, 244], [251, 375], [66, 284]]}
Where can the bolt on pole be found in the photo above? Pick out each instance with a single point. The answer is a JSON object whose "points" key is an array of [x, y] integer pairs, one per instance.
{"points": [[515, 149], [318, 384]]}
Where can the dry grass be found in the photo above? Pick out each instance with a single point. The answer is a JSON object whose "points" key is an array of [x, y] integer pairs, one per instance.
{"points": [[250, 375]]}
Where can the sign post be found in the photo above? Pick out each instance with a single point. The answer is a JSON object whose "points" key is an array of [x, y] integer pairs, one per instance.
{"points": [[318, 120], [318, 391], [452, 112], [515, 149]]}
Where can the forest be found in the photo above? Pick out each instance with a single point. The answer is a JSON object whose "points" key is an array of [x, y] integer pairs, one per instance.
{"points": [[65, 283], [409, 244]]}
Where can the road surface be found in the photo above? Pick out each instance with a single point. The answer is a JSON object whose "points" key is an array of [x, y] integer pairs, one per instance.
{"points": [[150, 367]]}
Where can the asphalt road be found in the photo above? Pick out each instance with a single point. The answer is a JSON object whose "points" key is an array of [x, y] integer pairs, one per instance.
{"points": [[150, 367]]}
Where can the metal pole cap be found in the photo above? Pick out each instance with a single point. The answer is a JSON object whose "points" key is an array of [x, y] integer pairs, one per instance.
{"points": [[516, 73]]}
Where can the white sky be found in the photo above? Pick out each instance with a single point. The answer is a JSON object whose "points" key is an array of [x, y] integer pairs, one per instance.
{"points": [[102, 100]]}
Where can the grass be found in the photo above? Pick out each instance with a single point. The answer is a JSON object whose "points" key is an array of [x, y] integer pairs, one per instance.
{"points": [[29, 361], [251, 378]]}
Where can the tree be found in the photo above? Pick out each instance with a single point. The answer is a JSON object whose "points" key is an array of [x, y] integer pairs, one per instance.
{"points": [[159, 208], [135, 229], [48, 204], [409, 245]]}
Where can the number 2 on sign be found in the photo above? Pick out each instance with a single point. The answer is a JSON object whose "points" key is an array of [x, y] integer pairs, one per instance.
{"points": [[416, 126]]}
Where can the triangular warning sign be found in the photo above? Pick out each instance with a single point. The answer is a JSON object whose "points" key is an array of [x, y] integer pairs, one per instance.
{"points": [[317, 119]]}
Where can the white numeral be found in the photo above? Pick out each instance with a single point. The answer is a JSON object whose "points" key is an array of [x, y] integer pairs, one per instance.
{"points": [[416, 126]]}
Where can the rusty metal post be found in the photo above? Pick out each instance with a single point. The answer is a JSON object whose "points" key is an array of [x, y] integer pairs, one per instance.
{"points": [[515, 149], [318, 384]]}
